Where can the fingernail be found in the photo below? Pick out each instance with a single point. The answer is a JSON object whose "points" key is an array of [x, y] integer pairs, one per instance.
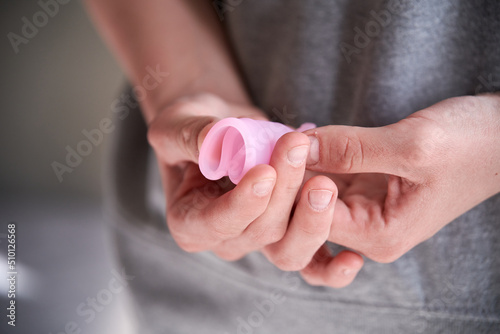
{"points": [[297, 155], [313, 156], [263, 187], [319, 199]]}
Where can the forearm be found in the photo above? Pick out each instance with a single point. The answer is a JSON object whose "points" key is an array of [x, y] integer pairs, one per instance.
{"points": [[183, 38], [494, 100]]}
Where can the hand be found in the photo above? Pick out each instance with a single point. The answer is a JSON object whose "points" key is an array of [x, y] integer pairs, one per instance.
{"points": [[257, 213], [430, 168]]}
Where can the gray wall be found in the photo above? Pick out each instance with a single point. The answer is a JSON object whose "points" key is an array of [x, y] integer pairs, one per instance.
{"points": [[61, 82]]}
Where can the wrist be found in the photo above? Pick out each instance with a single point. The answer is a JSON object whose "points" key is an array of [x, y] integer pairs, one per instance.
{"points": [[170, 92]]}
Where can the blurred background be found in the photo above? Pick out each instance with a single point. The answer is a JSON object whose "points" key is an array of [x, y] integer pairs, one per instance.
{"points": [[57, 80]]}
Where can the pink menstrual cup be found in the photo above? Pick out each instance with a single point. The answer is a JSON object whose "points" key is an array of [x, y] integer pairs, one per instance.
{"points": [[234, 145]]}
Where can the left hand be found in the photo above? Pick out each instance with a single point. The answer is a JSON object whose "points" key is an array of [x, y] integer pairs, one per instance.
{"points": [[400, 184], [259, 212]]}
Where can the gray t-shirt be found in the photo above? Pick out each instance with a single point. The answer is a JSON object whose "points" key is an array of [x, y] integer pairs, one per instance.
{"points": [[367, 63]]}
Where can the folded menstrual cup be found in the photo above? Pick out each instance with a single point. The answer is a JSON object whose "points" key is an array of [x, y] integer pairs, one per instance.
{"points": [[234, 145]]}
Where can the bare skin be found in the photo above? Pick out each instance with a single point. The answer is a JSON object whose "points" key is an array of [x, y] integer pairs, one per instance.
{"points": [[275, 209], [402, 183]]}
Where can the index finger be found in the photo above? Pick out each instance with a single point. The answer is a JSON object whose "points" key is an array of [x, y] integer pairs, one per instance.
{"points": [[349, 149]]}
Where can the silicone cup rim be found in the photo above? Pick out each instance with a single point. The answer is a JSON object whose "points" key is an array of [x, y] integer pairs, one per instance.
{"points": [[213, 136], [248, 130]]}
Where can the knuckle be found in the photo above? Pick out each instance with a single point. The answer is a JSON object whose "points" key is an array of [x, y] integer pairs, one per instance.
{"points": [[188, 245], [290, 182], [287, 263], [425, 144], [228, 255], [389, 242], [419, 153], [223, 231], [336, 283], [187, 137], [186, 241], [153, 134], [264, 236], [388, 251], [314, 227], [243, 209], [346, 153], [311, 280], [388, 255]]}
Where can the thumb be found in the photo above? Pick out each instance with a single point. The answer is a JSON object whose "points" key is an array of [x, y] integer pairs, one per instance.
{"points": [[350, 149], [179, 140]]}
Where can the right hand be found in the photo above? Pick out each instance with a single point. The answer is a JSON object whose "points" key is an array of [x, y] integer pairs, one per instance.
{"points": [[254, 215]]}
